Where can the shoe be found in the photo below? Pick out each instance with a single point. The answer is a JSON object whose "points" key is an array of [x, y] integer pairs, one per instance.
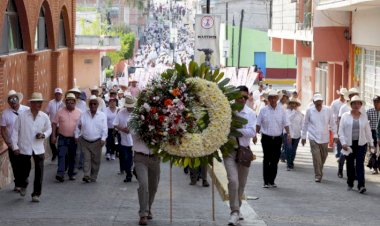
{"points": [[113, 157], [317, 180], [288, 168], [241, 218], [234, 219], [17, 189], [108, 156], [126, 180], [349, 188], [150, 216], [205, 183], [265, 186], [362, 190], [23, 191], [274, 185], [340, 174], [193, 182], [93, 180], [35, 198], [86, 179], [59, 178], [143, 221], [72, 178], [375, 172]]}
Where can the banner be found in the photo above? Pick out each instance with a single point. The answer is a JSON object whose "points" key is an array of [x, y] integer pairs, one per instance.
{"points": [[207, 32]]}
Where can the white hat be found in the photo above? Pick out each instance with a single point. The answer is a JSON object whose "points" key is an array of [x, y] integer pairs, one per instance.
{"points": [[295, 100], [14, 93], [58, 90], [92, 97], [120, 91], [342, 91], [350, 92], [130, 101], [272, 92], [70, 96], [356, 98], [36, 97], [94, 88], [317, 97], [74, 90]]}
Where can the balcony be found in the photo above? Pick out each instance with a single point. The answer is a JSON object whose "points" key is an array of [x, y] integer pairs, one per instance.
{"points": [[347, 5], [106, 43]]}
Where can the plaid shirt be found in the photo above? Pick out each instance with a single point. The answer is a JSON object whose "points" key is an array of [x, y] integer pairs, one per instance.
{"points": [[373, 117]]}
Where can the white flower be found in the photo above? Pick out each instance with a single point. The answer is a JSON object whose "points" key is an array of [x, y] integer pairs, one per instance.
{"points": [[146, 107]]}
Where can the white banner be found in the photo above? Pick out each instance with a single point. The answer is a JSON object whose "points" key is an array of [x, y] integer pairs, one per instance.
{"points": [[207, 32]]}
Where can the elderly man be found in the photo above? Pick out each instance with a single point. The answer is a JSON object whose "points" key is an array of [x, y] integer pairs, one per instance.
{"points": [[52, 108], [95, 91], [79, 103], [271, 122], [67, 118], [8, 119], [91, 133], [236, 173], [318, 121], [29, 132]]}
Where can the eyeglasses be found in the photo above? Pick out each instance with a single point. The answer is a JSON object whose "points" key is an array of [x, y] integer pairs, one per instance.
{"points": [[13, 99], [70, 102]]}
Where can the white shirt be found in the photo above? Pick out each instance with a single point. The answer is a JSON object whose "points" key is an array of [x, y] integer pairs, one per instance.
{"points": [[295, 118], [53, 107], [140, 146], [25, 131], [335, 107], [345, 130], [347, 108], [81, 104], [272, 121], [249, 129], [92, 128], [121, 120], [317, 125], [110, 117], [8, 119], [256, 94]]}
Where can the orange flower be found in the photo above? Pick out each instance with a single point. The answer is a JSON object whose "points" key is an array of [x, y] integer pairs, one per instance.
{"points": [[153, 110], [176, 92], [168, 102]]}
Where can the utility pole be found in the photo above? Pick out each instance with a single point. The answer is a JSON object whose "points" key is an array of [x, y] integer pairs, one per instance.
{"points": [[208, 7], [226, 32], [233, 39], [240, 35]]}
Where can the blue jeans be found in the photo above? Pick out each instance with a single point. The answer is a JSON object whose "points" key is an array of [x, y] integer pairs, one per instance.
{"points": [[355, 164], [126, 160], [291, 151], [66, 146]]}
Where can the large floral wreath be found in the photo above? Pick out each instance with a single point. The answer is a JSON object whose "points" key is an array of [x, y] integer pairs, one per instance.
{"points": [[186, 115]]}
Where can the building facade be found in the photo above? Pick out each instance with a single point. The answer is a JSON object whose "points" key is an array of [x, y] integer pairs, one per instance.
{"points": [[36, 52]]}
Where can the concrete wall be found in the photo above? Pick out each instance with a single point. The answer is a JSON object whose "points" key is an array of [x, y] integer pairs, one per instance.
{"points": [[365, 27], [87, 69]]}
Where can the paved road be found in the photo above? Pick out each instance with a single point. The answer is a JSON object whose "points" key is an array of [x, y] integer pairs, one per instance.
{"points": [[299, 201], [110, 201]]}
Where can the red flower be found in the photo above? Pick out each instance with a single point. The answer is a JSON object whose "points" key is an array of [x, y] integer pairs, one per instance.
{"points": [[172, 131], [177, 119], [153, 110], [176, 92], [161, 118], [168, 102]]}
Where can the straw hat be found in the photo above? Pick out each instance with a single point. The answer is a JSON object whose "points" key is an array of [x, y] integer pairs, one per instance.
{"points": [[317, 97], [14, 93], [273, 93], [295, 100], [94, 88], [356, 98], [92, 97], [350, 92], [36, 97], [342, 91], [74, 90], [130, 101], [70, 96]]}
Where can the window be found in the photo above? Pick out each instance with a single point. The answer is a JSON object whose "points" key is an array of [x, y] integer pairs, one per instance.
{"points": [[11, 40], [62, 34], [41, 40], [371, 78]]}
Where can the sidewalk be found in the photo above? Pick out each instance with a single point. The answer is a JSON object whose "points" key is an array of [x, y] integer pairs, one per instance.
{"points": [[110, 201]]}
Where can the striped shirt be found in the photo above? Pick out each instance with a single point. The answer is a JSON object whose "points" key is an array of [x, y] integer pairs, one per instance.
{"points": [[373, 117]]}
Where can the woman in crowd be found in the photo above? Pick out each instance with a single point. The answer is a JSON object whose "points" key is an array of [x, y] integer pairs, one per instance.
{"points": [[111, 112], [354, 135]]}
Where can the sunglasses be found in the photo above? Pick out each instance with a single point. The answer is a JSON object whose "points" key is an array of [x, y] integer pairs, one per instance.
{"points": [[70, 102], [245, 97], [13, 99]]}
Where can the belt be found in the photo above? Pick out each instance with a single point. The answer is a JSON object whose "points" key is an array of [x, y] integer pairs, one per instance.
{"points": [[147, 155], [88, 141], [272, 137], [60, 135]]}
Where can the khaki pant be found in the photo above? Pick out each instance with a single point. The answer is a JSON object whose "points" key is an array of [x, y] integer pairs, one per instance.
{"points": [[319, 153], [92, 153], [237, 178], [148, 174]]}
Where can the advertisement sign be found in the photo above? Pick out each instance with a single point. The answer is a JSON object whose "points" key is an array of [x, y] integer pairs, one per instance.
{"points": [[207, 32]]}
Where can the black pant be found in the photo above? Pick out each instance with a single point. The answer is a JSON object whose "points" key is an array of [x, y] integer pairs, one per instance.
{"points": [[110, 142], [355, 164], [272, 152], [25, 166], [14, 159]]}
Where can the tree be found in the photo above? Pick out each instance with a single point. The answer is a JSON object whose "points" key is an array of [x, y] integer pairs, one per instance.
{"points": [[127, 41]]}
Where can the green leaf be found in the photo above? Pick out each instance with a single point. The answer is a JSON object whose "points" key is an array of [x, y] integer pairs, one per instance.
{"points": [[197, 162], [235, 133], [224, 82], [237, 106], [219, 77]]}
